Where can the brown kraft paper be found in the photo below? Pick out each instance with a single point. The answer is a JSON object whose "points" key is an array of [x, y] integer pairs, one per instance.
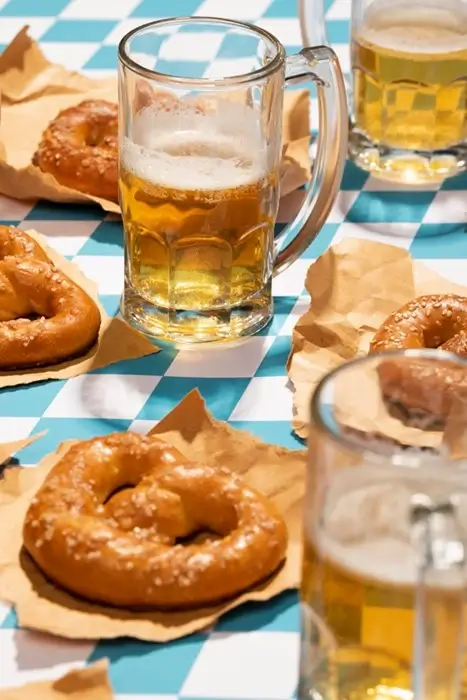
{"points": [[11, 478], [40, 605], [8, 449], [90, 683], [35, 90], [354, 286], [117, 340]]}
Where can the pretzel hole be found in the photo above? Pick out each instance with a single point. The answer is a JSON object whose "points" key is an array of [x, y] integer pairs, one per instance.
{"points": [[198, 537], [119, 489], [414, 418], [96, 135]]}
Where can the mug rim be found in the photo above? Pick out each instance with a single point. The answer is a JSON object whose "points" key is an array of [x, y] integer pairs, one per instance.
{"points": [[397, 458], [253, 76]]}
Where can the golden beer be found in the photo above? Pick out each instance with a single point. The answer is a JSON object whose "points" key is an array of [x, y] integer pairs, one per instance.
{"points": [[409, 70], [410, 75], [197, 249], [198, 212], [359, 608], [384, 564]]}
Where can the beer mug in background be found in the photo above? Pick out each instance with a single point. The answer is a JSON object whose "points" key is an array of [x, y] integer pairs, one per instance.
{"points": [[409, 87], [200, 152], [383, 578]]}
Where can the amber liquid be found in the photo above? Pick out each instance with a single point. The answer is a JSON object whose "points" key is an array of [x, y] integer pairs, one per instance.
{"points": [[409, 67], [358, 633], [199, 202], [198, 249]]}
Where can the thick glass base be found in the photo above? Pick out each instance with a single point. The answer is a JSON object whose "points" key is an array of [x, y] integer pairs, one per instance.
{"points": [[356, 674], [198, 326], [405, 166]]}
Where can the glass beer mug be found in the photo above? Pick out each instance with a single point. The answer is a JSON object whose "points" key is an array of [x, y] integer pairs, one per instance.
{"points": [[409, 86], [385, 534], [200, 154]]}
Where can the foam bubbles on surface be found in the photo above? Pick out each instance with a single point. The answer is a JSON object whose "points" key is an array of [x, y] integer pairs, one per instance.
{"points": [[426, 29], [189, 149], [365, 530]]}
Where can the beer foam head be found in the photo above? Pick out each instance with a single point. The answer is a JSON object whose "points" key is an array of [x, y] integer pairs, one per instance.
{"points": [[426, 28], [188, 148], [365, 527], [366, 533]]}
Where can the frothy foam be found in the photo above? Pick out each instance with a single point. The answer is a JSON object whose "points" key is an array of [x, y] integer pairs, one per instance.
{"points": [[192, 150], [426, 29], [366, 530]]}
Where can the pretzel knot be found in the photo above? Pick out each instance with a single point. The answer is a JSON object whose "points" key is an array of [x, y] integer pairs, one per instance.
{"points": [[112, 520], [45, 318]]}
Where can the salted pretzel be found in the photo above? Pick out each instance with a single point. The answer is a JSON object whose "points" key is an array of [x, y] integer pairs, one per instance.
{"points": [[128, 546], [45, 318], [17, 243], [80, 148], [437, 321]]}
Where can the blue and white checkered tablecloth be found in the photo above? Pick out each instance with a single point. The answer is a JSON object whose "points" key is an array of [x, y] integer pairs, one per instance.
{"points": [[252, 652]]}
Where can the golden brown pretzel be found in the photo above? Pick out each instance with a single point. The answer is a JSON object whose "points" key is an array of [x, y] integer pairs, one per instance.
{"points": [[126, 548], [45, 318], [431, 321], [80, 146], [17, 243]]}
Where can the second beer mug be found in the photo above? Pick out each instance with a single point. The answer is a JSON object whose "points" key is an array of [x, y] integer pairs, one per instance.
{"points": [[384, 578], [200, 153], [409, 67], [408, 92]]}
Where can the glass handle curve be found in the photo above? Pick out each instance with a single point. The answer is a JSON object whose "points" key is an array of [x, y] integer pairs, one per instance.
{"points": [[312, 24], [439, 600], [320, 65]]}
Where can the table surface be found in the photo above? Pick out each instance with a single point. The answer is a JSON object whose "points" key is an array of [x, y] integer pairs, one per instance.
{"points": [[251, 653]]}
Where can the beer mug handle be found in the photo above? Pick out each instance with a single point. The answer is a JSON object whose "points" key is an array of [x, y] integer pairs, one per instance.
{"points": [[320, 65], [439, 600]]}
